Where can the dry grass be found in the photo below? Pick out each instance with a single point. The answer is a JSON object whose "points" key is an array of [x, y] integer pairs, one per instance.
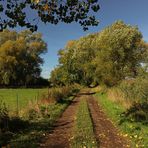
{"points": [[117, 96]]}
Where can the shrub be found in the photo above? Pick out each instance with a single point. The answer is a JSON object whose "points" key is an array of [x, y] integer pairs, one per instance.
{"points": [[17, 124], [4, 117], [61, 93], [44, 111], [134, 92], [9, 125], [32, 114], [117, 95], [136, 89], [56, 94], [75, 88], [137, 112]]}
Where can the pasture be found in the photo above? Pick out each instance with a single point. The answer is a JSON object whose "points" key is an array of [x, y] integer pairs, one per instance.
{"points": [[20, 98]]}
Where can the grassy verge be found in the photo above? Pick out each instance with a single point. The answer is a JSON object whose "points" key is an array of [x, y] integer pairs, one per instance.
{"points": [[32, 131], [83, 131], [136, 131]]}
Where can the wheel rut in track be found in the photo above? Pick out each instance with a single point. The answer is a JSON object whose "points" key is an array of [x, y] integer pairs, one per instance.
{"points": [[106, 133]]}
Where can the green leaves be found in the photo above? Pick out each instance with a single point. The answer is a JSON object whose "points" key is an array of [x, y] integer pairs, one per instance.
{"points": [[105, 57], [20, 57], [18, 13]]}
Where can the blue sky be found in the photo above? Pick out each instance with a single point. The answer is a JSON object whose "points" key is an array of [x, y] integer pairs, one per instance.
{"points": [[134, 12]]}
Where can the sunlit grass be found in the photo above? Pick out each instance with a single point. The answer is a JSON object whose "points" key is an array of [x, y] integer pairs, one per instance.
{"points": [[83, 136], [10, 96]]}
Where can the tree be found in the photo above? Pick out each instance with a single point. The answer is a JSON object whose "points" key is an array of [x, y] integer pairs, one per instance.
{"points": [[20, 57], [119, 52], [105, 57], [16, 12], [75, 62]]}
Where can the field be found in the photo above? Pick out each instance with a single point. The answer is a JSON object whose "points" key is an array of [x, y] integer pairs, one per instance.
{"points": [[22, 97]]}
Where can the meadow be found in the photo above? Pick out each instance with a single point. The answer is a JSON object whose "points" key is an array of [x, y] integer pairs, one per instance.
{"points": [[20, 98]]}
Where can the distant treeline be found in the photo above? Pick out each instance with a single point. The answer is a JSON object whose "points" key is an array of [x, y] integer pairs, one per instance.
{"points": [[36, 83]]}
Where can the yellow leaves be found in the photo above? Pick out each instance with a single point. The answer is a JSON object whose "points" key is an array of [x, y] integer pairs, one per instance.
{"points": [[137, 145], [131, 137], [102, 135], [140, 138], [75, 118], [35, 1], [135, 136], [71, 138], [46, 7], [128, 146], [125, 135], [70, 44]]}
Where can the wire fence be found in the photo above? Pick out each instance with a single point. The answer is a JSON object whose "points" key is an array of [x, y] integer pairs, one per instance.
{"points": [[19, 102]]}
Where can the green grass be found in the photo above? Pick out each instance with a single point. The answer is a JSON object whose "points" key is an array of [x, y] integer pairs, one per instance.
{"points": [[83, 136], [9, 96], [136, 131]]}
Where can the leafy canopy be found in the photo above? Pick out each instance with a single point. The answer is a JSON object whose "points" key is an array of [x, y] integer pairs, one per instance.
{"points": [[107, 57], [20, 57], [16, 12]]}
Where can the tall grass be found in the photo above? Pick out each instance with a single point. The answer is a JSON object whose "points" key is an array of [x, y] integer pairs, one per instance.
{"points": [[130, 92], [24, 96], [118, 96], [26, 128], [58, 94]]}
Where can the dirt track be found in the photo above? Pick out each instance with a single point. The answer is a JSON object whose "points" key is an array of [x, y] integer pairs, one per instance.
{"points": [[106, 133], [60, 135]]}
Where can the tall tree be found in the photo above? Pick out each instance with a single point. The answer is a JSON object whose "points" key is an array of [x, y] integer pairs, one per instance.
{"points": [[20, 57], [16, 12], [105, 57], [119, 52]]}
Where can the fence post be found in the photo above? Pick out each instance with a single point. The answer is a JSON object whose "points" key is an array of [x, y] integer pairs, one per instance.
{"points": [[17, 105], [38, 96], [48, 93]]}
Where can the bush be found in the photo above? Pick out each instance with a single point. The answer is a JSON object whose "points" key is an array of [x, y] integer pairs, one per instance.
{"points": [[32, 114], [136, 89], [9, 125], [4, 117], [17, 124], [56, 95], [138, 112], [61, 93], [44, 111]]}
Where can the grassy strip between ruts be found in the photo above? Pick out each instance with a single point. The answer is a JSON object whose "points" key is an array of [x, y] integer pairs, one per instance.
{"points": [[136, 131], [36, 129], [83, 136]]}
